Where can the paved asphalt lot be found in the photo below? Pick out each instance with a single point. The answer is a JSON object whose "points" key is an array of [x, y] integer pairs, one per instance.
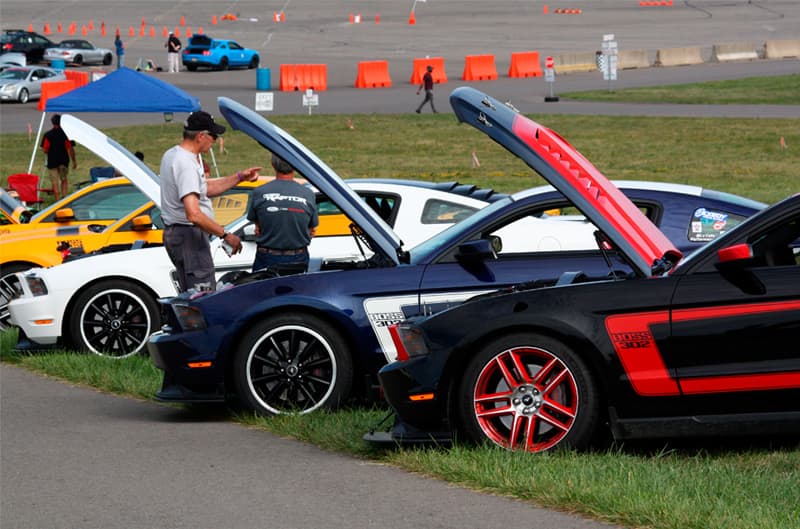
{"points": [[75, 458], [320, 33]]}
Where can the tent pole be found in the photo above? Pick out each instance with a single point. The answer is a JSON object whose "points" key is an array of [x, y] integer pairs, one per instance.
{"points": [[214, 161], [36, 143]]}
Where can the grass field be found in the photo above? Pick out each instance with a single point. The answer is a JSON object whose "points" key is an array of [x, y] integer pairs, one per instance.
{"points": [[743, 156], [697, 484]]}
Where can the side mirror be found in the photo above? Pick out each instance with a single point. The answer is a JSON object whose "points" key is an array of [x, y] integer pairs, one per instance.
{"points": [[481, 248], [735, 253], [733, 265], [142, 223], [65, 215]]}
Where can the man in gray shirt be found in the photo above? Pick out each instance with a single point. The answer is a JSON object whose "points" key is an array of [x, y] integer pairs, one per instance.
{"points": [[185, 205], [285, 215]]}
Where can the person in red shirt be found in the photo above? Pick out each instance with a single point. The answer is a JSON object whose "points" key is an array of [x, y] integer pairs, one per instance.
{"points": [[60, 150], [427, 84]]}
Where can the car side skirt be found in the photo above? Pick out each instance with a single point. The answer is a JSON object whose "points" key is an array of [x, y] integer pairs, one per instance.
{"points": [[739, 424]]}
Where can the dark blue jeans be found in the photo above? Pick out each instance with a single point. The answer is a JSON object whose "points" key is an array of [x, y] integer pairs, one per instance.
{"points": [[281, 264]]}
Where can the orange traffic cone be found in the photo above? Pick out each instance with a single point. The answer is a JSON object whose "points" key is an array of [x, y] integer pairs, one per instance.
{"points": [[141, 31], [91, 25], [377, 19], [214, 20], [59, 27], [188, 32], [412, 19], [84, 31], [200, 30], [30, 27], [165, 32], [103, 28], [132, 32], [177, 31], [283, 16], [152, 32], [183, 21], [46, 28], [351, 18]]}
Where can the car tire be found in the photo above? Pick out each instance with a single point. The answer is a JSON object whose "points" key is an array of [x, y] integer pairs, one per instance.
{"points": [[78, 60], [113, 319], [191, 67], [292, 363], [223, 64], [253, 63], [8, 288], [107, 58], [23, 96], [554, 404]]}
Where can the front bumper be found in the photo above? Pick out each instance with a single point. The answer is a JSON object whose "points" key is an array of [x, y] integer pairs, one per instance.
{"points": [[191, 374], [38, 318], [402, 387]]}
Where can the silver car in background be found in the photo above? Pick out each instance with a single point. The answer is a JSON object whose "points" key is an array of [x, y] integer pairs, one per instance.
{"points": [[25, 83], [78, 52]]}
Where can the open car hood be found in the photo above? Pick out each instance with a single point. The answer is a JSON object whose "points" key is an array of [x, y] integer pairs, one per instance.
{"points": [[322, 177], [114, 154], [547, 153]]}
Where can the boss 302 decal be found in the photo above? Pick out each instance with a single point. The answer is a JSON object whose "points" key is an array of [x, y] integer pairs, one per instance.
{"points": [[648, 374]]}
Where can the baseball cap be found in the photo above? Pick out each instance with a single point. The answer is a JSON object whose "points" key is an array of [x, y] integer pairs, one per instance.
{"points": [[201, 120]]}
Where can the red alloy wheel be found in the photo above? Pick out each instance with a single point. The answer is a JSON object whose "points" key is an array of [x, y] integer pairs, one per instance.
{"points": [[525, 398]]}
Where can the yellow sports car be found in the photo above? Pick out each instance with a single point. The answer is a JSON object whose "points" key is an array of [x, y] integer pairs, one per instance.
{"points": [[100, 203], [47, 246]]}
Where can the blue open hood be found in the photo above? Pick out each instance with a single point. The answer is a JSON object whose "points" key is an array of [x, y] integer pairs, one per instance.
{"points": [[567, 170], [316, 172]]}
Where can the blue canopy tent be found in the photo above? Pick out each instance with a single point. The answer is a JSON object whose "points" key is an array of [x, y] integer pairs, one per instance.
{"points": [[123, 90]]}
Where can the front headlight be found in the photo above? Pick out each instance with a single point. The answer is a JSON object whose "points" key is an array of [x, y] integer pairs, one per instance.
{"points": [[8, 89], [36, 285], [409, 340], [189, 317]]}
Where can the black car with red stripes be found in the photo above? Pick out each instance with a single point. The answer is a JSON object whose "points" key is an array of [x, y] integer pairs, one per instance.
{"points": [[706, 345]]}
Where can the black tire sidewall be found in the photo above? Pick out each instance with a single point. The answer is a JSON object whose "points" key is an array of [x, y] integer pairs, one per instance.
{"points": [[344, 364], [586, 421]]}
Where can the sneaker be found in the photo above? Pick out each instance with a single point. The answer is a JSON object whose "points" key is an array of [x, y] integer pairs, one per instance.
{"points": [[417, 111]]}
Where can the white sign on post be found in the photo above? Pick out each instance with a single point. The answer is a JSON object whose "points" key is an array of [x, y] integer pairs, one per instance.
{"points": [[310, 99], [264, 101], [610, 53]]}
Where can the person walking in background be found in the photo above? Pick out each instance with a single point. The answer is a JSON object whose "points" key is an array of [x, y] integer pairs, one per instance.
{"points": [[285, 214], [186, 207], [120, 49], [427, 84], [60, 150], [173, 46]]}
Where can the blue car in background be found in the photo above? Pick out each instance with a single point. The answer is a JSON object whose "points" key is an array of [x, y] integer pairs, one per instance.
{"points": [[218, 54], [305, 342]]}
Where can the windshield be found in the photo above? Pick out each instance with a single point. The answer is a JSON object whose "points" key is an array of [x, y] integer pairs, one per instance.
{"points": [[459, 230], [14, 74]]}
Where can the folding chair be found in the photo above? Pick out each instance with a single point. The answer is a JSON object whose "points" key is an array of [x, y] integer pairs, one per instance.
{"points": [[27, 187]]}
